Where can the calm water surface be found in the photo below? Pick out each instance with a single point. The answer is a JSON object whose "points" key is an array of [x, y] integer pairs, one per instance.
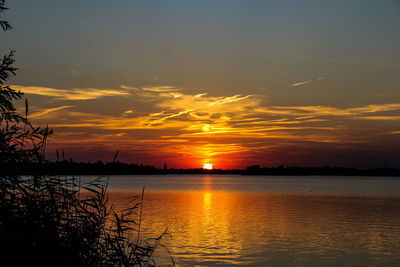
{"points": [[270, 221]]}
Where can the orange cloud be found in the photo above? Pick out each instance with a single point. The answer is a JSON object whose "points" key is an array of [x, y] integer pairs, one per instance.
{"points": [[198, 126], [70, 94]]}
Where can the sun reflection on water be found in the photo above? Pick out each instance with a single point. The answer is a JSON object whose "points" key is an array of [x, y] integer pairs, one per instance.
{"points": [[211, 227], [207, 202]]}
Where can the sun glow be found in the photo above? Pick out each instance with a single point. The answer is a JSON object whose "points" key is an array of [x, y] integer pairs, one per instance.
{"points": [[208, 166]]}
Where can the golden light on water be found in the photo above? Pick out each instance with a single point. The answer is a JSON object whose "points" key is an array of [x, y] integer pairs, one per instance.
{"points": [[208, 166], [242, 227]]}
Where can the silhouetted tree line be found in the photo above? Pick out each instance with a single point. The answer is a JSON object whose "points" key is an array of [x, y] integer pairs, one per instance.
{"points": [[70, 167], [80, 168]]}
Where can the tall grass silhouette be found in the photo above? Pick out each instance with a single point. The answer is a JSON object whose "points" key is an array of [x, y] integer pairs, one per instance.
{"points": [[55, 220]]}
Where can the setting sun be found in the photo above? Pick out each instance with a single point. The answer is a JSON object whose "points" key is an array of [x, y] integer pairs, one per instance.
{"points": [[208, 166]]}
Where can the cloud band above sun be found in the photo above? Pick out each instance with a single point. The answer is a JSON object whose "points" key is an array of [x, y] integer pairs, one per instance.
{"points": [[190, 128]]}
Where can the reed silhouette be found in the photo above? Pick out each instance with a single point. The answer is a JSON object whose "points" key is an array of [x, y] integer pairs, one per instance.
{"points": [[57, 220]]}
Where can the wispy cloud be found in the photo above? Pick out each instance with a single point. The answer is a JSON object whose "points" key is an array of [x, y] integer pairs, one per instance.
{"points": [[128, 87], [47, 111], [160, 89], [380, 118], [300, 83], [306, 82], [153, 89], [162, 119], [70, 94], [229, 99], [327, 110]]}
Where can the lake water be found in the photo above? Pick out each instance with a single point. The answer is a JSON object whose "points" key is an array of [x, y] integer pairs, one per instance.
{"points": [[270, 221]]}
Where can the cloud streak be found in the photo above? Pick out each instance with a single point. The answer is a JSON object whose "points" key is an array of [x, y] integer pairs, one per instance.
{"points": [[70, 94], [327, 110], [300, 83], [47, 111]]}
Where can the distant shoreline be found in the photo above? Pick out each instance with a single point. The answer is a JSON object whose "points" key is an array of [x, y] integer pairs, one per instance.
{"points": [[117, 168]]}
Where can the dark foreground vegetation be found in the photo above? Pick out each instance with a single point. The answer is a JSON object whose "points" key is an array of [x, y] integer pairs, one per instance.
{"points": [[52, 220]]}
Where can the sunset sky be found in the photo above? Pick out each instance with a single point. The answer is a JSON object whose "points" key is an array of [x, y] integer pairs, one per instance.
{"points": [[229, 82]]}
